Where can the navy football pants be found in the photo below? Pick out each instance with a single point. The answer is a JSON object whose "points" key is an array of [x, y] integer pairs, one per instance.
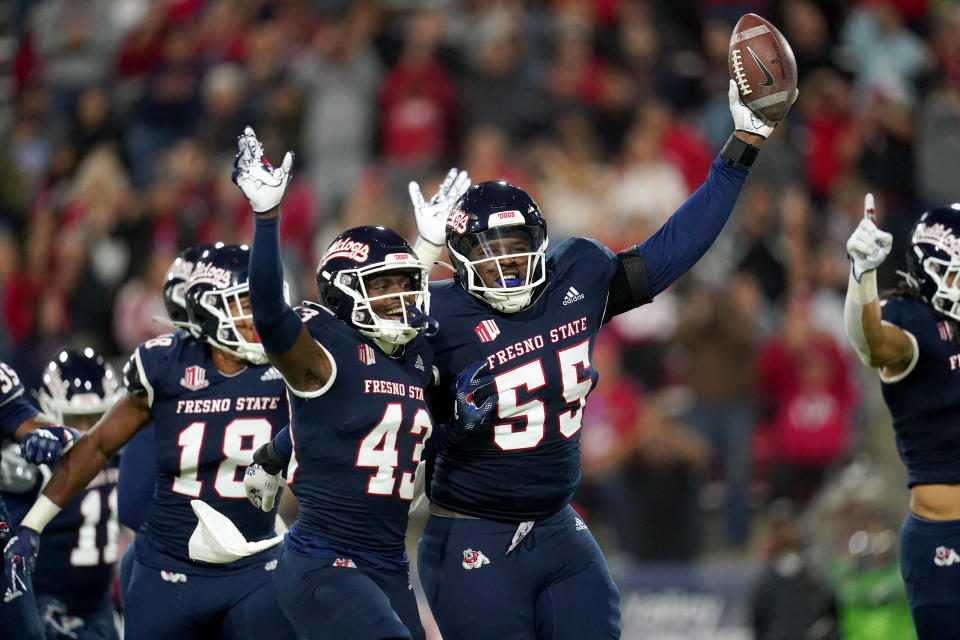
{"points": [[241, 605], [553, 586], [324, 601], [930, 565]]}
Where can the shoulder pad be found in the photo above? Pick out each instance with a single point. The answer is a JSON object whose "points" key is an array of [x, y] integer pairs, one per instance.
{"points": [[132, 376], [10, 386]]}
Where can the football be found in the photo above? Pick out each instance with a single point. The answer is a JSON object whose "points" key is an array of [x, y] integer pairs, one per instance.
{"points": [[761, 62]]}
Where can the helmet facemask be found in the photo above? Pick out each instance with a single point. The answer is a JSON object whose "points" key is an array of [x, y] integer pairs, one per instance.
{"points": [[412, 304], [945, 274], [496, 250], [227, 307]]}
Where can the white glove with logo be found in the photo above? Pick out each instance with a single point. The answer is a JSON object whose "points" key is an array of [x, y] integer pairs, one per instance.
{"points": [[745, 119], [431, 216], [261, 487], [262, 184], [868, 246]]}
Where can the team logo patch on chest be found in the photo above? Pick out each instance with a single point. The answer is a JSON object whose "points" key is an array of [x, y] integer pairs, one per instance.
{"points": [[487, 331], [194, 378], [474, 559], [366, 354]]}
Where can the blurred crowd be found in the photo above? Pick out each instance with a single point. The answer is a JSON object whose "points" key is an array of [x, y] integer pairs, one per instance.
{"points": [[120, 120]]}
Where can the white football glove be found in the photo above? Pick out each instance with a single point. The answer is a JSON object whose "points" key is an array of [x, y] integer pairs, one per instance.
{"points": [[868, 246], [261, 487], [744, 118], [262, 184], [431, 216]]}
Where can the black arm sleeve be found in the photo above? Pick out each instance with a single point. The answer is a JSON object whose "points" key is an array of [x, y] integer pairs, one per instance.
{"points": [[629, 288]]}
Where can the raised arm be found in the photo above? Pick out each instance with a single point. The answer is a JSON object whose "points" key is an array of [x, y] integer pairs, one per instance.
{"points": [[878, 343], [289, 346]]}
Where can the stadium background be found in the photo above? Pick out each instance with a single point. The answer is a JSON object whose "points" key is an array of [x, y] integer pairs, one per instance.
{"points": [[733, 429]]}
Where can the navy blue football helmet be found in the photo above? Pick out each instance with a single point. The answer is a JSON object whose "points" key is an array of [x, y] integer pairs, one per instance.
{"points": [[176, 282], [77, 382], [933, 259], [495, 225], [357, 255], [217, 298]]}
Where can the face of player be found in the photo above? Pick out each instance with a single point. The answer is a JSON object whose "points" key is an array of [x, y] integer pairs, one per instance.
{"points": [[390, 308], [245, 324], [513, 267]]}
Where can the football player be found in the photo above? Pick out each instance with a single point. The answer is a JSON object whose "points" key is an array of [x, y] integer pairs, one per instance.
{"points": [[911, 335], [41, 440], [72, 581], [356, 367], [500, 523], [213, 401], [138, 472]]}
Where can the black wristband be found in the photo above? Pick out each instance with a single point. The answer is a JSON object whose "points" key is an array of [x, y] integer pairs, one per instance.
{"points": [[268, 458], [739, 154]]}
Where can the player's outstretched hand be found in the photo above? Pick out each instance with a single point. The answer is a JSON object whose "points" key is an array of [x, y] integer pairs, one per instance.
{"points": [[473, 385], [261, 183], [868, 246], [47, 445], [431, 216], [261, 487], [19, 560], [745, 119]]}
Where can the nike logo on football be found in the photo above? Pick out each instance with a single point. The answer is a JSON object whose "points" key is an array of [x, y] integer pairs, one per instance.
{"points": [[767, 76]]}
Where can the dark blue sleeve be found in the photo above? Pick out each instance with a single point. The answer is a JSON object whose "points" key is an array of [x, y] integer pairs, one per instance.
{"points": [[137, 479], [689, 232], [277, 324], [14, 413], [15, 409], [283, 443]]}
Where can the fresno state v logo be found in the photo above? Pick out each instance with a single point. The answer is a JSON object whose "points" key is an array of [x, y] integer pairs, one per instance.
{"points": [[356, 251]]}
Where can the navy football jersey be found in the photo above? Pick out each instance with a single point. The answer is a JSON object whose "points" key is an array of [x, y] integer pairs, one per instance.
{"points": [[80, 546], [207, 426], [529, 465], [924, 399], [357, 442], [14, 407]]}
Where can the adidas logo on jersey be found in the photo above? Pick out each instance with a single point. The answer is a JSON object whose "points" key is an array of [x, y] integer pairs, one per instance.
{"points": [[419, 363], [270, 566], [945, 557], [579, 524], [270, 374], [572, 296], [474, 559], [172, 576]]}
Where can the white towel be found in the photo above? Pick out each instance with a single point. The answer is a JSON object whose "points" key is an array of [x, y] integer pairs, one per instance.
{"points": [[216, 539]]}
